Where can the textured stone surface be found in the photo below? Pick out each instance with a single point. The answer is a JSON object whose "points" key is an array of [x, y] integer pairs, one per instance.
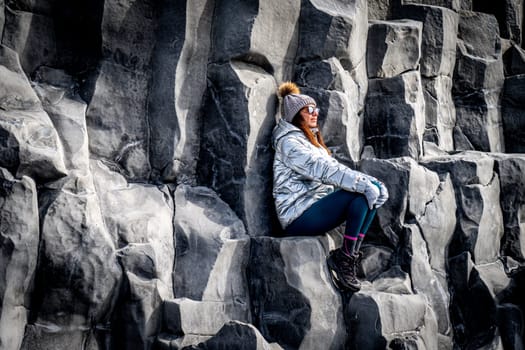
{"points": [[78, 272], [116, 117], [339, 30], [438, 56], [240, 33], [440, 112], [148, 218], [237, 336], [451, 4], [210, 239], [30, 142], [2, 16], [18, 255], [410, 321], [425, 279], [395, 116], [478, 81], [381, 9], [514, 59], [513, 114], [140, 131], [138, 315], [182, 37], [511, 170], [509, 14], [418, 194], [438, 38], [235, 160], [400, 48], [294, 303], [40, 338], [480, 220], [25, 29], [475, 285], [67, 111]]}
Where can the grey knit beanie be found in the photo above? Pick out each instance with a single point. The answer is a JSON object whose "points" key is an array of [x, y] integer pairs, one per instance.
{"points": [[293, 100]]}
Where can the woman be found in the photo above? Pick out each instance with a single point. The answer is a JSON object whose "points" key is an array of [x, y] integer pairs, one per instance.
{"points": [[305, 176]]}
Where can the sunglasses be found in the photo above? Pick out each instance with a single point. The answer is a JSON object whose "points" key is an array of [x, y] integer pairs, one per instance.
{"points": [[311, 110]]}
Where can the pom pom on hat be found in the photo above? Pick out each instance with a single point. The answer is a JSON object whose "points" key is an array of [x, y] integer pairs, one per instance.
{"points": [[288, 88], [293, 101]]}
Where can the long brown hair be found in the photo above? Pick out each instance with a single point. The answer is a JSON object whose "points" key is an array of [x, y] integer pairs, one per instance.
{"points": [[316, 139]]}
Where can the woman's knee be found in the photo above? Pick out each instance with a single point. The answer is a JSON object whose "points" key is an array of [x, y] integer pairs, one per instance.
{"points": [[360, 202]]}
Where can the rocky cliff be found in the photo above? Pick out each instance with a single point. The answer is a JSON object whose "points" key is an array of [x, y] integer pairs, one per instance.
{"points": [[135, 167]]}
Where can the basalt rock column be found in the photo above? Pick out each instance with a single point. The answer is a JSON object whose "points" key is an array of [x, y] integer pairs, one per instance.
{"points": [[395, 111], [438, 56], [19, 236], [118, 90], [478, 82], [331, 68]]}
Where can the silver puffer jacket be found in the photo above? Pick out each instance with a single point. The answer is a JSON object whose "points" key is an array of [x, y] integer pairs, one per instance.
{"points": [[304, 173]]}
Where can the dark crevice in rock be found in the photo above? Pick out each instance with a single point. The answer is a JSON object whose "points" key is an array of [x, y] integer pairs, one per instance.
{"points": [[253, 58]]}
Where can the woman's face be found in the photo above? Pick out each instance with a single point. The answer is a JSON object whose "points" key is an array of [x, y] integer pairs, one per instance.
{"points": [[310, 114]]}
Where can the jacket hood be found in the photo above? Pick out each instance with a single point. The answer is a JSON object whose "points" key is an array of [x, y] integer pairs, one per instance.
{"points": [[282, 129]]}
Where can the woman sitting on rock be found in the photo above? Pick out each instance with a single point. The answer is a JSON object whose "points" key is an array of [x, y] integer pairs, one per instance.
{"points": [[305, 181]]}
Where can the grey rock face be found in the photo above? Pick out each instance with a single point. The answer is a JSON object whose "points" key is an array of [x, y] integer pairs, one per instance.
{"points": [[237, 335], [480, 226], [485, 283], [77, 263], [137, 316], [451, 4], [395, 116], [412, 322], [148, 219], [438, 38], [426, 280], [400, 51], [440, 112], [18, 258], [2, 16], [40, 338], [116, 118], [509, 15], [513, 113], [514, 59], [294, 303], [382, 9], [30, 29], [67, 111], [438, 56], [235, 157], [140, 131], [31, 145], [478, 79], [419, 194], [211, 242], [510, 170], [340, 31], [240, 33], [176, 91], [108, 116]]}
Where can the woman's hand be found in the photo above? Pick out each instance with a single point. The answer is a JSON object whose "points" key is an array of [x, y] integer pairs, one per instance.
{"points": [[383, 193], [372, 194]]}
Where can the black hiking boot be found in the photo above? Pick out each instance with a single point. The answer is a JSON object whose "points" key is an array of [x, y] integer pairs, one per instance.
{"points": [[343, 271], [359, 271]]}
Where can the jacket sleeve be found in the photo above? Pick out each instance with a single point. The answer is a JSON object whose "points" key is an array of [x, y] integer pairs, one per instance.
{"points": [[299, 156]]}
